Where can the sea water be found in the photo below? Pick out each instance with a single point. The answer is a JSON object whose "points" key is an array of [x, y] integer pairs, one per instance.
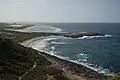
{"points": [[100, 53]]}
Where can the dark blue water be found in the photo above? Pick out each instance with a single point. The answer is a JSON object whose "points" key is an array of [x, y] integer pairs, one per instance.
{"points": [[102, 53]]}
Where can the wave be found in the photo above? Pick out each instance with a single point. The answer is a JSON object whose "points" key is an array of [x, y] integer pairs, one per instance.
{"points": [[57, 42], [91, 37], [43, 43], [15, 25], [98, 69], [43, 46], [40, 28], [56, 29], [28, 29]]}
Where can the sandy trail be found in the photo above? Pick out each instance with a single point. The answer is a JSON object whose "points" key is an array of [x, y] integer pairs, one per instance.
{"points": [[34, 66]]}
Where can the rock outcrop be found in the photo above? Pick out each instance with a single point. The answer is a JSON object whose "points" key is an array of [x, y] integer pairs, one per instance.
{"points": [[81, 34]]}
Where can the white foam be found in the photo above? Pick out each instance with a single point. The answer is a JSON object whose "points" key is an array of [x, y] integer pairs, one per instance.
{"points": [[56, 29], [57, 42], [45, 42], [90, 37], [97, 69], [108, 35], [15, 25], [53, 48], [82, 57], [28, 29], [36, 28]]}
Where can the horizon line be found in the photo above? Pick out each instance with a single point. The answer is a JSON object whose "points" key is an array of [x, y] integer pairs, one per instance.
{"points": [[50, 22]]}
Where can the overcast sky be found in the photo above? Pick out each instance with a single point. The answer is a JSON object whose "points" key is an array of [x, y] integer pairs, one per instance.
{"points": [[60, 10]]}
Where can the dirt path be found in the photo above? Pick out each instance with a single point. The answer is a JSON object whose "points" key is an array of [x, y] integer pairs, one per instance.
{"points": [[34, 66], [71, 76]]}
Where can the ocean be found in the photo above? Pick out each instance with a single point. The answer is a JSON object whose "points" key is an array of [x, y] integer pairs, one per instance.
{"points": [[100, 53]]}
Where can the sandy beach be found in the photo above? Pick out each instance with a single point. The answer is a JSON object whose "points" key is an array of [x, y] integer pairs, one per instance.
{"points": [[66, 72], [71, 70]]}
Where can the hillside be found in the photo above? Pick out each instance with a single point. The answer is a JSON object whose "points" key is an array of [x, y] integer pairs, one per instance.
{"points": [[14, 59], [21, 63]]}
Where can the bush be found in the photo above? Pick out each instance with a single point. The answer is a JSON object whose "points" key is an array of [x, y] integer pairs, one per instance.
{"points": [[117, 77]]}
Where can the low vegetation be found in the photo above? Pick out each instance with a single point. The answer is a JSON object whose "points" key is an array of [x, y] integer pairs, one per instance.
{"points": [[117, 77], [16, 60]]}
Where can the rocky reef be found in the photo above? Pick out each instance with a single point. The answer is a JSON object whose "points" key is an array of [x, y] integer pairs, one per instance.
{"points": [[81, 34]]}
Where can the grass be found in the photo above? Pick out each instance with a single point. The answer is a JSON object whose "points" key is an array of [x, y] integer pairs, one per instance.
{"points": [[16, 59], [117, 77]]}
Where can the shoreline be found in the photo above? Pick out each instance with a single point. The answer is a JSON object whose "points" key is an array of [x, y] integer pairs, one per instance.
{"points": [[70, 69], [74, 68]]}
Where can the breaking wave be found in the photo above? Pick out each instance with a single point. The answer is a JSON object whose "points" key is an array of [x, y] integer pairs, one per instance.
{"points": [[90, 37], [40, 28], [56, 29], [43, 46], [57, 42]]}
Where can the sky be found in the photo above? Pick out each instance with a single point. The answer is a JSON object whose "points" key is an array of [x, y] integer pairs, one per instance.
{"points": [[59, 10]]}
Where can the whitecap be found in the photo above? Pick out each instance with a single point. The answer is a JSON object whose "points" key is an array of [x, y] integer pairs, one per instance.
{"points": [[56, 29], [90, 37], [36, 28], [82, 61], [97, 69], [53, 48], [42, 44], [15, 25], [57, 42], [108, 35]]}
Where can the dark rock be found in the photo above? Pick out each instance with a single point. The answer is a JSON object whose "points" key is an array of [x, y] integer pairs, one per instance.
{"points": [[81, 34]]}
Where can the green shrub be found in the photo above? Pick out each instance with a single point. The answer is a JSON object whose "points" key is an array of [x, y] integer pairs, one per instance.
{"points": [[117, 77]]}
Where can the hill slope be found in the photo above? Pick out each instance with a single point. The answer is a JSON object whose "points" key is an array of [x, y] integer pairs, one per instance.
{"points": [[14, 59], [21, 63]]}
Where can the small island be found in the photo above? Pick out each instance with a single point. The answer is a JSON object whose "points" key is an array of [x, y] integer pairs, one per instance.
{"points": [[81, 34]]}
